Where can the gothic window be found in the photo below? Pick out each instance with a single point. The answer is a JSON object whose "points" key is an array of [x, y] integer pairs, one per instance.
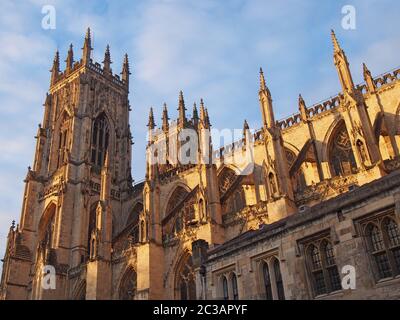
{"points": [[332, 270], [235, 291], [186, 285], [323, 269], [278, 280], [225, 180], [100, 139], [383, 241], [341, 157], [225, 291], [128, 285], [290, 157], [175, 199], [267, 281]]}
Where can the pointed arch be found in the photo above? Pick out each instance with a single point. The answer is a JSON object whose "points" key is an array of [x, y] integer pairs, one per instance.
{"points": [[226, 178], [340, 152], [185, 278], [128, 284], [80, 291], [175, 197], [47, 221], [100, 139]]}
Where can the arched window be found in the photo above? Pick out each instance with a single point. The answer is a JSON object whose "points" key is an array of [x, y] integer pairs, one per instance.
{"points": [[235, 290], [392, 233], [225, 291], [316, 270], [225, 180], [324, 270], [100, 139], [267, 281], [330, 265], [341, 157], [278, 280], [378, 252], [128, 285], [186, 284], [384, 246]]}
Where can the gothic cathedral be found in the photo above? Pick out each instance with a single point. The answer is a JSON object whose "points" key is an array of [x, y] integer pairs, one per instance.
{"points": [[321, 200]]}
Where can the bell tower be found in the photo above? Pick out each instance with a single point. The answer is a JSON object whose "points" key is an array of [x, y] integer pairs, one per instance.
{"points": [[76, 186]]}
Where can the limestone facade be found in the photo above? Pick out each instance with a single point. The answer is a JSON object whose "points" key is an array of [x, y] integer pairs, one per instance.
{"points": [[321, 193]]}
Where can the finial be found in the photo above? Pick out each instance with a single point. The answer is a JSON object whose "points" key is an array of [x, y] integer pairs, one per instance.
{"points": [[195, 114], [302, 109], [181, 109], [151, 123], [70, 58], [165, 123], [245, 125], [125, 70], [87, 47], [13, 225], [262, 80], [371, 86], [107, 61], [55, 70], [335, 42]]}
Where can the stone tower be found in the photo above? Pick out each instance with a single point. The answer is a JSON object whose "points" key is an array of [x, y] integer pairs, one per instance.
{"points": [[78, 183]]}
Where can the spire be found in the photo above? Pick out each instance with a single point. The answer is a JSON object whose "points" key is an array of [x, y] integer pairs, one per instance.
{"points": [[70, 59], [87, 47], [195, 116], [245, 125], [107, 61], [151, 123], [55, 70], [202, 111], [245, 129], [264, 95], [207, 118], [342, 66], [125, 70], [336, 46], [165, 123], [371, 86], [262, 80], [181, 109], [303, 109]]}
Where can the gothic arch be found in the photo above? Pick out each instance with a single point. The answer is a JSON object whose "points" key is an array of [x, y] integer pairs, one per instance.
{"points": [[79, 292], [128, 284], [48, 214], [184, 278], [175, 192], [135, 212], [226, 177], [340, 152], [328, 136], [101, 139]]}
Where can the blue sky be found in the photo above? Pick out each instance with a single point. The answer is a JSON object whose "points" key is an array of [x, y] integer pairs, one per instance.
{"points": [[207, 48]]}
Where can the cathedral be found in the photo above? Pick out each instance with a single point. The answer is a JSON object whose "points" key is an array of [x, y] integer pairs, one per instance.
{"points": [[313, 213]]}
